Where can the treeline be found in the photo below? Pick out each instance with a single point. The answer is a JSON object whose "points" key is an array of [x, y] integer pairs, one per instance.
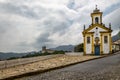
{"points": [[37, 54], [79, 48]]}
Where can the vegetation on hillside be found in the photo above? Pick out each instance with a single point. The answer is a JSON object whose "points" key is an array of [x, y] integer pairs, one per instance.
{"points": [[79, 48], [37, 54]]}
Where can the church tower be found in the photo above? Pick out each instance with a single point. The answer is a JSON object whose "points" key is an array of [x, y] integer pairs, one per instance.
{"points": [[96, 16], [97, 37]]}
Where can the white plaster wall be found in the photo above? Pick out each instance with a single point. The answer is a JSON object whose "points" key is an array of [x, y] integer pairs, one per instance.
{"points": [[94, 29], [97, 32], [105, 45], [106, 48], [88, 46], [95, 17]]}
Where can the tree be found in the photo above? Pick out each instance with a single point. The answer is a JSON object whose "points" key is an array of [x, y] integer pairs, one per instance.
{"points": [[79, 48]]}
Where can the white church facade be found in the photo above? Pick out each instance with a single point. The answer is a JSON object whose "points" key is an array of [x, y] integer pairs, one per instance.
{"points": [[97, 37]]}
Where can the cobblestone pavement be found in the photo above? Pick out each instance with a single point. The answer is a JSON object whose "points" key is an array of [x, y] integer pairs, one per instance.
{"points": [[43, 65], [107, 68]]}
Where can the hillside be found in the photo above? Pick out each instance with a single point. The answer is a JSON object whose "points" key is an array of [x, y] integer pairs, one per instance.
{"points": [[116, 37], [11, 54], [64, 48]]}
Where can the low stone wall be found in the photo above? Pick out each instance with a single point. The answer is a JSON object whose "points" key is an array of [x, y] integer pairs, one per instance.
{"points": [[43, 65]]}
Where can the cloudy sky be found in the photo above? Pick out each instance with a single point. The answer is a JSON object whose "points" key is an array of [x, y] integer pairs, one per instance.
{"points": [[27, 25]]}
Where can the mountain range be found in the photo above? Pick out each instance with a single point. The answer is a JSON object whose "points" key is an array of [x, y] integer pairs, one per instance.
{"points": [[116, 37], [62, 47], [67, 48], [8, 55]]}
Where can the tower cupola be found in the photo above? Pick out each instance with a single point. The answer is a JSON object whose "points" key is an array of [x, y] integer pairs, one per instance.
{"points": [[96, 16]]}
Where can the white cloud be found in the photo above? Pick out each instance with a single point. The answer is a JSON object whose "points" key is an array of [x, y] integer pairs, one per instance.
{"points": [[27, 25], [114, 19]]}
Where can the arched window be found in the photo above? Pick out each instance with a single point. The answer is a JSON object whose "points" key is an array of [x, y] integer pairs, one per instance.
{"points": [[96, 20]]}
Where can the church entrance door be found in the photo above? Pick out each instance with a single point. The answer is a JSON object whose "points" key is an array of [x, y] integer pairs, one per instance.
{"points": [[97, 49]]}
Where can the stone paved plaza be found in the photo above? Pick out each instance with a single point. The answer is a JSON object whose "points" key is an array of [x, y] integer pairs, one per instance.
{"points": [[107, 68], [43, 65]]}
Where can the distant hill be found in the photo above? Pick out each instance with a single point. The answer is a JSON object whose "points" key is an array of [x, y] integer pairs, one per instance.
{"points": [[11, 54], [64, 48], [116, 37], [71, 47]]}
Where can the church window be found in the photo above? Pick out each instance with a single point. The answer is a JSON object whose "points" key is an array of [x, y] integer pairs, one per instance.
{"points": [[96, 20], [88, 40], [105, 39]]}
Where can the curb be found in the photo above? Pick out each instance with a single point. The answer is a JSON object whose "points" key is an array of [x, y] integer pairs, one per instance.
{"points": [[54, 68]]}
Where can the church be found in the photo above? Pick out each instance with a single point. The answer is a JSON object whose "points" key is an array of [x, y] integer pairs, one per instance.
{"points": [[97, 37]]}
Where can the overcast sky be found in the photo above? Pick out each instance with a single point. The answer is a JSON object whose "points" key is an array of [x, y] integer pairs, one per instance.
{"points": [[27, 25]]}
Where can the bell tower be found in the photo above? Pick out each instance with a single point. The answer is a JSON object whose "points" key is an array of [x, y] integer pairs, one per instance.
{"points": [[96, 16]]}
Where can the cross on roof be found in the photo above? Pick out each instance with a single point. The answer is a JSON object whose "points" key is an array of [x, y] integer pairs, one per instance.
{"points": [[96, 6]]}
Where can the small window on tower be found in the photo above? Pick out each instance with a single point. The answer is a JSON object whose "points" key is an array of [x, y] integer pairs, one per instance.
{"points": [[88, 40], [105, 39], [96, 20]]}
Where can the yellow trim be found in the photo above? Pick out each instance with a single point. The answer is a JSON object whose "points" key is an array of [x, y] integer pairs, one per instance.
{"points": [[92, 19], [92, 44], [84, 45], [87, 33], [110, 43], [100, 19], [98, 25], [97, 14], [101, 45], [105, 32]]}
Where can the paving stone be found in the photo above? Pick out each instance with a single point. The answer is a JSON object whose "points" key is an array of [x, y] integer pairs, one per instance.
{"points": [[43, 64], [101, 69]]}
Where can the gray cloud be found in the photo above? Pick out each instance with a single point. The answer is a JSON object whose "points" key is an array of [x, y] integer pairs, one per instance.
{"points": [[55, 25], [4, 26], [111, 8], [27, 25], [22, 10], [114, 19], [71, 4], [43, 40], [52, 26]]}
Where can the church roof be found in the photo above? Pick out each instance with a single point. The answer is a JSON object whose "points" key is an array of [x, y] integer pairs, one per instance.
{"points": [[98, 25]]}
